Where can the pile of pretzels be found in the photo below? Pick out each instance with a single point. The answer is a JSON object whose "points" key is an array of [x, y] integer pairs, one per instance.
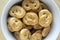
{"points": [[29, 21]]}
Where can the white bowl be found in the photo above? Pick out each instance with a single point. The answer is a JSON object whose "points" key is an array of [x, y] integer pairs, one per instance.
{"points": [[54, 27]]}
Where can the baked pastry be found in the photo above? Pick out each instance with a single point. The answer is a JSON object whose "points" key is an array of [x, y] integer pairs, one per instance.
{"points": [[30, 4], [25, 34], [34, 4], [26, 5], [15, 23], [10, 29], [16, 34], [36, 36], [45, 31], [42, 6], [45, 18], [30, 18], [17, 11]]}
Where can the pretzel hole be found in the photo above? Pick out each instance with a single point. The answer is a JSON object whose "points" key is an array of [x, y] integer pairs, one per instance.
{"points": [[35, 5], [27, 5], [44, 13], [16, 21], [12, 11]]}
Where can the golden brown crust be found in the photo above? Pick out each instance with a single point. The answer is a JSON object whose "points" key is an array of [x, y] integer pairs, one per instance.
{"points": [[42, 6], [16, 34], [39, 31], [31, 4], [45, 31], [36, 36], [30, 18], [26, 5], [45, 18], [15, 23], [27, 26], [37, 26], [10, 29], [25, 34], [34, 4], [17, 11]]}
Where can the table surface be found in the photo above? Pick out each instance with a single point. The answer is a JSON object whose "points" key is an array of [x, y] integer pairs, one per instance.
{"points": [[2, 4]]}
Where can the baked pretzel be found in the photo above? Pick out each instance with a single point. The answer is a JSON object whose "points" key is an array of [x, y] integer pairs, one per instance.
{"points": [[30, 18], [17, 11], [45, 18], [15, 23]]}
